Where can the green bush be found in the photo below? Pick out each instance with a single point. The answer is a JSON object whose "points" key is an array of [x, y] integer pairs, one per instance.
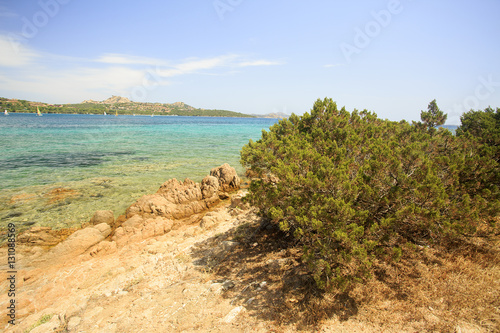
{"points": [[482, 130], [484, 126], [354, 189]]}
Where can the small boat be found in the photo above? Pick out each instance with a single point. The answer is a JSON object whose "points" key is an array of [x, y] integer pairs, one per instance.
{"points": [[105, 113], [38, 113], [6, 113], [116, 113]]}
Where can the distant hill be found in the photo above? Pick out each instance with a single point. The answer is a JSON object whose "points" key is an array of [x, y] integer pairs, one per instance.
{"points": [[116, 105], [276, 115], [112, 100]]}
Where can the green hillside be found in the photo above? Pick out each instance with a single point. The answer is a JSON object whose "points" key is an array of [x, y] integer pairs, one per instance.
{"points": [[123, 107]]}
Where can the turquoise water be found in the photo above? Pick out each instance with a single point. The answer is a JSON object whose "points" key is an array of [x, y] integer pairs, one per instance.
{"points": [[56, 170]]}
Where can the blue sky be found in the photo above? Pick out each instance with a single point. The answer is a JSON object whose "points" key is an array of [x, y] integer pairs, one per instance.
{"points": [[391, 57]]}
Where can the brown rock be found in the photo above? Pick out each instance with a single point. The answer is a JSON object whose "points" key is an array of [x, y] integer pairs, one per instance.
{"points": [[80, 241], [237, 201], [177, 200], [228, 179], [104, 228], [209, 187], [133, 222], [120, 237], [137, 228], [148, 204], [103, 216], [213, 218], [178, 192], [103, 247]]}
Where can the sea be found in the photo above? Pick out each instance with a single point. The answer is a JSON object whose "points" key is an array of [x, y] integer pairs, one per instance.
{"points": [[58, 169]]}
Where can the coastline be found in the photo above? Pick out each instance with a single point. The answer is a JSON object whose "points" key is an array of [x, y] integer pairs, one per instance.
{"points": [[178, 209], [63, 168]]}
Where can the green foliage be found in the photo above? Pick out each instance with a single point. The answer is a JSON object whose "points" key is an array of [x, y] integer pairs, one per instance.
{"points": [[354, 189], [484, 126], [432, 117], [482, 130]]}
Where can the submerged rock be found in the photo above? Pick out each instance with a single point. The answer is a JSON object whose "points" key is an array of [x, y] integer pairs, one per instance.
{"points": [[60, 194], [42, 236]]}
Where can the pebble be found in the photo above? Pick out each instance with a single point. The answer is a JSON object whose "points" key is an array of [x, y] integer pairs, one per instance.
{"points": [[228, 285], [229, 245], [216, 288], [232, 314]]}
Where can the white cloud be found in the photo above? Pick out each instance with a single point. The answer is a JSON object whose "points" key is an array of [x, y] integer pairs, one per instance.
{"points": [[66, 79], [76, 85], [259, 63], [121, 59], [13, 53], [225, 61], [192, 65]]}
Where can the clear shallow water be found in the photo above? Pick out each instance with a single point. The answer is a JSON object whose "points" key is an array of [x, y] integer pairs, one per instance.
{"points": [[56, 170]]}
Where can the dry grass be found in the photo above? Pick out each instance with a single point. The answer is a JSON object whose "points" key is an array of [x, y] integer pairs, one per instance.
{"points": [[429, 289], [438, 290]]}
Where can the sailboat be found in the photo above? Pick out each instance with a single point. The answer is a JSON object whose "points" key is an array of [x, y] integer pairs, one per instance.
{"points": [[38, 113], [116, 113], [6, 113], [105, 113]]}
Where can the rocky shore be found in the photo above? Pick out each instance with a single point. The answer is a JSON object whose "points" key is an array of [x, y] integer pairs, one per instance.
{"points": [[135, 273]]}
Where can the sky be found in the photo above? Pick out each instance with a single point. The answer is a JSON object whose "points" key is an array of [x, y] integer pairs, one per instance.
{"points": [[391, 57]]}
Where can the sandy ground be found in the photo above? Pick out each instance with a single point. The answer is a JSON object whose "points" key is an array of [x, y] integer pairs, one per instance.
{"points": [[230, 277]]}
